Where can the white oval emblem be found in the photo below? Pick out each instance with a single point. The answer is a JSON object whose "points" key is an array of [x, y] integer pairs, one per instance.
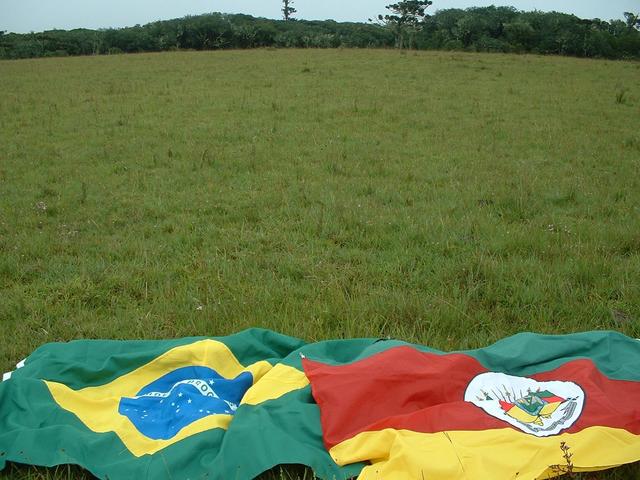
{"points": [[539, 408]]}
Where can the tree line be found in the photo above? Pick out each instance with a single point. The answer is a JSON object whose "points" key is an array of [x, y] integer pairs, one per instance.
{"points": [[485, 29]]}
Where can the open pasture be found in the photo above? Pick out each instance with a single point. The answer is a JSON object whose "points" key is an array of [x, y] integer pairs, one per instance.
{"points": [[450, 199]]}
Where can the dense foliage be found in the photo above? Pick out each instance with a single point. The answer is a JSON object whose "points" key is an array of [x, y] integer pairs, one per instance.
{"points": [[488, 29]]}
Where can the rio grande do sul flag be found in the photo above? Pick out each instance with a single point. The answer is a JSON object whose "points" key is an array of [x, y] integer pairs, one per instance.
{"points": [[200, 408], [528, 407]]}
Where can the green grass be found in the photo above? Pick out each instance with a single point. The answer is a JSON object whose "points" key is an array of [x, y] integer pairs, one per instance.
{"points": [[443, 198]]}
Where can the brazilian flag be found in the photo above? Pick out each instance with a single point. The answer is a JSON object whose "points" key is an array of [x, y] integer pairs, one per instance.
{"points": [[221, 407]]}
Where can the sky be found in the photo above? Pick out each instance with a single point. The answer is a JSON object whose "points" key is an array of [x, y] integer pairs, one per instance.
{"points": [[23, 16]]}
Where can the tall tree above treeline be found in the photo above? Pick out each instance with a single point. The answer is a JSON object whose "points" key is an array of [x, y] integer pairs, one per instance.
{"points": [[633, 20], [288, 9], [405, 19], [486, 29]]}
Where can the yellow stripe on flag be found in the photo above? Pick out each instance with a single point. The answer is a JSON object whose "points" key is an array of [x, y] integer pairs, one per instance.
{"points": [[503, 453], [279, 380]]}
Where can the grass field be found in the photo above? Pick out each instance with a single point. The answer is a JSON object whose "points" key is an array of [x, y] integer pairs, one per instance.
{"points": [[443, 198]]}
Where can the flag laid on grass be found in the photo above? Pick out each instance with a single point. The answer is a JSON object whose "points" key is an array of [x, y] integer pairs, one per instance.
{"points": [[233, 407], [221, 408], [528, 407]]}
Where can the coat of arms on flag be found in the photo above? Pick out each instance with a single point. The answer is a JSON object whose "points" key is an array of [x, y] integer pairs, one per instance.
{"points": [[538, 408]]}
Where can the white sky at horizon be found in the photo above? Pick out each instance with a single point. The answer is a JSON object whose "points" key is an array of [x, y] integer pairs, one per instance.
{"points": [[23, 16]]}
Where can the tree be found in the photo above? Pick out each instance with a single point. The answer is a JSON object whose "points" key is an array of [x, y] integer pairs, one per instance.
{"points": [[287, 9], [520, 35], [633, 20], [405, 20]]}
